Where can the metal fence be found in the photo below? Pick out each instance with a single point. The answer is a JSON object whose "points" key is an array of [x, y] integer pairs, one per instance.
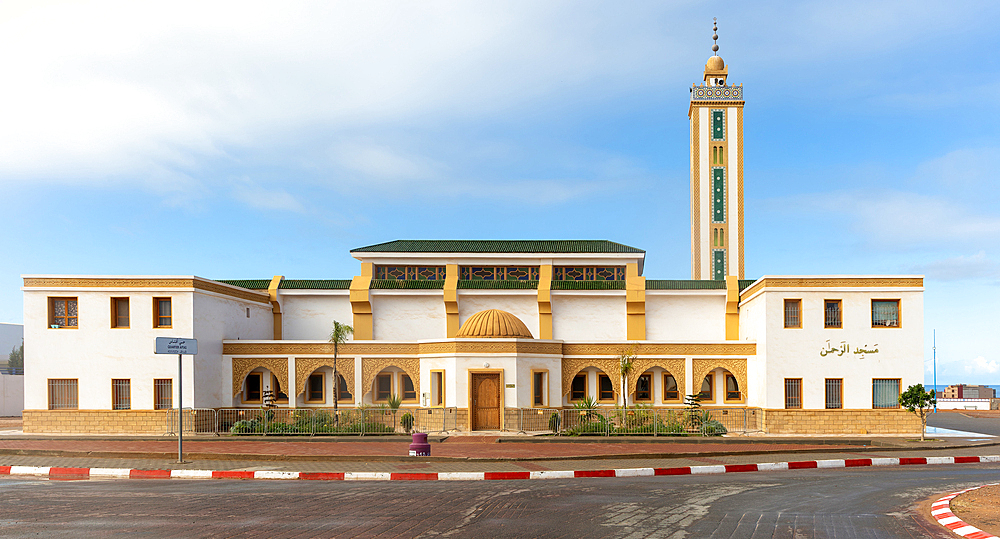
{"points": [[634, 421], [379, 421]]}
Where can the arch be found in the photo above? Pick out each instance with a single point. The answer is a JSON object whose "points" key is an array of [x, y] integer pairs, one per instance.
{"points": [[306, 366], [610, 366], [673, 366], [242, 366], [370, 367], [738, 368]]}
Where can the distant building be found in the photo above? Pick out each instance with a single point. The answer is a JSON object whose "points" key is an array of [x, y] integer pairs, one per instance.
{"points": [[964, 391], [11, 335]]}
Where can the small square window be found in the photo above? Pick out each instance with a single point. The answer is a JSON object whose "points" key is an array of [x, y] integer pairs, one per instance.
{"points": [[63, 394], [316, 384], [834, 393], [578, 391], [163, 316], [644, 388], [383, 387], [793, 313], [121, 394], [119, 313], [670, 392], [832, 314], [793, 393], [885, 393], [163, 393], [409, 392], [885, 313], [706, 393], [605, 389], [63, 313]]}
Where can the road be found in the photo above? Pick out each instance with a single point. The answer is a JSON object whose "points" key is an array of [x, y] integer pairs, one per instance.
{"points": [[853, 502], [958, 421]]}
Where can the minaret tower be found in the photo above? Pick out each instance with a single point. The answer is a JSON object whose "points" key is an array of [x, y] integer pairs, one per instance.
{"points": [[716, 115]]}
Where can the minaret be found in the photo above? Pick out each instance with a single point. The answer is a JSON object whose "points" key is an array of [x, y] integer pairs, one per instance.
{"points": [[716, 115]]}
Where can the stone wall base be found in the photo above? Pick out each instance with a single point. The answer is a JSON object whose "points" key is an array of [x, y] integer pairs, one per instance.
{"points": [[97, 421], [841, 422]]}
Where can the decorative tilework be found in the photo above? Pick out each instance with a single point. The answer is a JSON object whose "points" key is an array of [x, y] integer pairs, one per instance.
{"points": [[717, 93]]}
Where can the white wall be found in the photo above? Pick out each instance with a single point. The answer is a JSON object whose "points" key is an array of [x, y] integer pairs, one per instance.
{"points": [[12, 395], [795, 353], [588, 316], [522, 304], [217, 318], [94, 353], [408, 316], [310, 317], [684, 316]]}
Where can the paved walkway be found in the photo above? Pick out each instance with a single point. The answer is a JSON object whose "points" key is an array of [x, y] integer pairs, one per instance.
{"points": [[456, 454]]}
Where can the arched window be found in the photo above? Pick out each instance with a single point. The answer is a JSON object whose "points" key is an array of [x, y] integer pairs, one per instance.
{"points": [[733, 392], [706, 389]]}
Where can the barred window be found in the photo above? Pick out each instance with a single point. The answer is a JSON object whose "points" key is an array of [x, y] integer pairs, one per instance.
{"points": [[834, 393], [885, 393], [793, 313], [63, 394], [832, 318], [121, 394], [885, 313], [163, 393], [793, 393]]}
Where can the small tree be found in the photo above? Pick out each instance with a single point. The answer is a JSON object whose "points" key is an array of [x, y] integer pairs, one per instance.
{"points": [[15, 361], [918, 401], [626, 364], [338, 335]]}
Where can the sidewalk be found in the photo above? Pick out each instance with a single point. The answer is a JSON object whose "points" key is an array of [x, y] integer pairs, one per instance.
{"points": [[458, 453]]}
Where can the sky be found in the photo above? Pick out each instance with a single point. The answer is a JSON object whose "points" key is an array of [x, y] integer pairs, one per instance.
{"points": [[256, 139]]}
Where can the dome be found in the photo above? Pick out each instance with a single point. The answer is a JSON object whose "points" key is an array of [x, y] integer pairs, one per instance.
{"points": [[494, 323], [715, 63]]}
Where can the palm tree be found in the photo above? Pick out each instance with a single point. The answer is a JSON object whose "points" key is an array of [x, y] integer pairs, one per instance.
{"points": [[338, 335], [626, 362]]}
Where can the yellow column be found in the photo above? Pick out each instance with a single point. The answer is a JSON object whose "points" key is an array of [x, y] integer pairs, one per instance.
{"points": [[451, 298], [732, 308], [272, 291], [361, 304], [635, 303], [545, 301]]}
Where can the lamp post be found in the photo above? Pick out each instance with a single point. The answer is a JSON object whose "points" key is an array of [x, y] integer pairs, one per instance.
{"points": [[934, 355]]}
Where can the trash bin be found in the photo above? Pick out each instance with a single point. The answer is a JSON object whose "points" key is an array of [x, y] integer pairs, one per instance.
{"points": [[420, 447]]}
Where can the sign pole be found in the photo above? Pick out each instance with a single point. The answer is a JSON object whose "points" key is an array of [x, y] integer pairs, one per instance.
{"points": [[934, 348], [180, 408]]}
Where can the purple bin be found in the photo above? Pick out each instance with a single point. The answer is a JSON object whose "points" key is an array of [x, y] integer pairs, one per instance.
{"points": [[420, 447]]}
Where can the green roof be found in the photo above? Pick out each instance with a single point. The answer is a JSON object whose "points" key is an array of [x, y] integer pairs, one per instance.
{"points": [[745, 283], [497, 285], [393, 284], [250, 284], [498, 246], [315, 284], [685, 284], [588, 285]]}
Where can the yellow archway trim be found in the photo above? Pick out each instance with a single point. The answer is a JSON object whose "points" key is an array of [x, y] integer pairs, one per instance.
{"points": [[370, 367], [738, 367], [308, 365], [673, 366], [610, 366], [243, 365]]}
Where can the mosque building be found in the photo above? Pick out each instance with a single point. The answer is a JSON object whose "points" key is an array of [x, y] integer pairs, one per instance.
{"points": [[478, 328]]}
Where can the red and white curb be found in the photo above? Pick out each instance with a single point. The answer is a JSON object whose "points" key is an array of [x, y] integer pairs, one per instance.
{"points": [[53, 472], [941, 510]]}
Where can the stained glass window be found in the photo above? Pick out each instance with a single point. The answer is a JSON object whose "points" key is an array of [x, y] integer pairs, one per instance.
{"points": [[499, 273], [410, 273], [588, 273]]}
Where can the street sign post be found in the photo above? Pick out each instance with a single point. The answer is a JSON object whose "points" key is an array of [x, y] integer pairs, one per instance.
{"points": [[179, 346]]}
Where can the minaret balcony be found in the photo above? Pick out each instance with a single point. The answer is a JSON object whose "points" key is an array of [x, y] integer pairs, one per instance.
{"points": [[717, 93]]}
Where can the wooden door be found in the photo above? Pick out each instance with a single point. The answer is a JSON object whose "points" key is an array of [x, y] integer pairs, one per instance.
{"points": [[486, 401]]}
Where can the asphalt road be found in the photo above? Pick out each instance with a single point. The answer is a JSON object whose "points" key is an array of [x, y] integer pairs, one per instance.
{"points": [[854, 502], [957, 421]]}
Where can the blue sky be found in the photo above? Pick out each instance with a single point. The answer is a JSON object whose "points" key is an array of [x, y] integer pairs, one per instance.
{"points": [[272, 138]]}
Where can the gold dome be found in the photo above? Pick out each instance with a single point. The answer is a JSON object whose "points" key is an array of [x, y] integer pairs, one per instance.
{"points": [[494, 323], [715, 63]]}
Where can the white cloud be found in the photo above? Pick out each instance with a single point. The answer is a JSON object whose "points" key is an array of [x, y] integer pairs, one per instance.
{"points": [[980, 365], [250, 193], [977, 266]]}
